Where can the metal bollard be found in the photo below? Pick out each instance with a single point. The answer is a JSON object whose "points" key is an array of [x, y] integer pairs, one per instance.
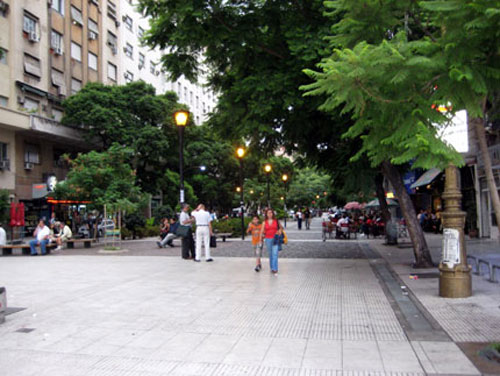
{"points": [[3, 304]]}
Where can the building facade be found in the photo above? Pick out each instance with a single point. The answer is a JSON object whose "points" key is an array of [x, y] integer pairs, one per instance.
{"points": [[50, 50]]}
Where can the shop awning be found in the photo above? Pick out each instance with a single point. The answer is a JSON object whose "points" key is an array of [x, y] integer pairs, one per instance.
{"points": [[426, 178]]}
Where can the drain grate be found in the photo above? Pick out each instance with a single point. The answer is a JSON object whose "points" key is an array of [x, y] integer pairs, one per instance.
{"points": [[25, 330]]}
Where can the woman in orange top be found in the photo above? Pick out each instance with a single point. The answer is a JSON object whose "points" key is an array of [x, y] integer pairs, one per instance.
{"points": [[254, 229]]}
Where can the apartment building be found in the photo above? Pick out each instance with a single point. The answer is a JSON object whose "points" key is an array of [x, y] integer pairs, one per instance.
{"points": [[50, 50], [140, 62]]}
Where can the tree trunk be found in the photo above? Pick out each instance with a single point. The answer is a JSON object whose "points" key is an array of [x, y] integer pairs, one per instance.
{"points": [[421, 251], [478, 124]]}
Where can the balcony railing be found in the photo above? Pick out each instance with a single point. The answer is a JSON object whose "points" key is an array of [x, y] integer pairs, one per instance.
{"points": [[55, 128], [494, 152]]}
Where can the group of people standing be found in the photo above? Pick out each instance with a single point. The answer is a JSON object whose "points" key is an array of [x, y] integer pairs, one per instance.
{"points": [[304, 215]]}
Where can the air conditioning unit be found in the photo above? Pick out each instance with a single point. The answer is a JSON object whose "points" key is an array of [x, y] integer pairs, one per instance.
{"points": [[58, 51], [92, 35], [33, 37], [4, 164], [28, 166], [117, 23], [114, 50]]}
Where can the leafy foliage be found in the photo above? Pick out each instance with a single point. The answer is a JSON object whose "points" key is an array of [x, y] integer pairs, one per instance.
{"points": [[4, 206]]}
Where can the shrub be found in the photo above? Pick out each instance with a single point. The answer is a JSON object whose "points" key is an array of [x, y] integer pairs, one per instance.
{"points": [[164, 211], [126, 233], [232, 225]]}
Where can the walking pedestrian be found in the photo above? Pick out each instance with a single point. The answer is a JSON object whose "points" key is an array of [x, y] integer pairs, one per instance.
{"points": [[299, 219], [307, 217], [254, 228], [268, 230], [41, 235], [187, 241], [203, 232]]}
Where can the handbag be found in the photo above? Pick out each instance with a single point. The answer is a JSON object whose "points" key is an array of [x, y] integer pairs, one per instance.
{"points": [[183, 231], [213, 242]]}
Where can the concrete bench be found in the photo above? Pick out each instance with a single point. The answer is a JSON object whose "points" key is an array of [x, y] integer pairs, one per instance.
{"points": [[26, 250], [491, 264], [87, 243], [223, 235]]}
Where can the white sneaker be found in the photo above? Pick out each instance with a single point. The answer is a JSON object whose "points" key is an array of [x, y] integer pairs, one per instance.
{"points": [[59, 248]]}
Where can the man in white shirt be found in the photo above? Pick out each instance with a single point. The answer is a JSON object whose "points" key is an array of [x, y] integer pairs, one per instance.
{"points": [[187, 241], [42, 235], [64, 235], [203, 232], [3, 236]]}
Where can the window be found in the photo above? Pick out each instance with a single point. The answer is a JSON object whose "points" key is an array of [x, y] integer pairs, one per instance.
{"points": [[58, 6], [204, 110], [3, 151], [185, 94], [56, 41], [29, 24], [76, 16], [129, 76], [197, 120], [93, 27], [152, 70], [32, 66], [31, 153], [58, 81], [76, 51], [76, 85], [190, 97], [3, 58], [179, 89], [129, 50], [197, 102], [112, 71], [142, 60], [57, 114], [92, 61], [129, 23], [140, 32], [3, 101], [112, 41], [111, 10]]}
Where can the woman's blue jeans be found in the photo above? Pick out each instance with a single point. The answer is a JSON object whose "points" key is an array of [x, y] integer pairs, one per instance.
{"points": [[273, 254]]}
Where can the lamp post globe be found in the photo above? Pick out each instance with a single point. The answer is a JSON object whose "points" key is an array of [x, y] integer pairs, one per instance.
{"points": [[284, 178], [267, 169], [181, 119], [240, 153]]}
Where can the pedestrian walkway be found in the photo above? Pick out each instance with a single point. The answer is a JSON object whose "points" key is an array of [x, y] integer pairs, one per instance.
{"points": [[156, 315]]}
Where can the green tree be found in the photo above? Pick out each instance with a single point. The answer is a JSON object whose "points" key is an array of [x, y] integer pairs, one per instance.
{"points": [[133, 116], [104, 178], [4, 206]]}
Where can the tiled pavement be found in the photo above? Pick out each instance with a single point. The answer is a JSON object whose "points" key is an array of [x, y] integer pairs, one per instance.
{"points": [[164, 316]]}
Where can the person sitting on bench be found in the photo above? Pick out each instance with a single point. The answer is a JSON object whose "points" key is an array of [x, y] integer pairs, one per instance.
{"points": [[171, 234], [41, 234], [64, 235]]}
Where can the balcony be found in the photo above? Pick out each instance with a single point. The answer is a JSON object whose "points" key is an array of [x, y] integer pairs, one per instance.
{"points": [[55, 130], [494, 152]]}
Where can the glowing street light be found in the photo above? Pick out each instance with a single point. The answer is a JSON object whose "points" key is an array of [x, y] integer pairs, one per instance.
{"points": [[240, 153], [181, 120]]}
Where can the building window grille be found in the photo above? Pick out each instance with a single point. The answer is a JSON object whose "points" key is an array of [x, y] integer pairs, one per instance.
{"points": [[31, 154], [112, 71], [76, 16], [129, 23], [92, 61], [58, 6], [129, 50], [76, 51], [56, 41], [111, 10]]}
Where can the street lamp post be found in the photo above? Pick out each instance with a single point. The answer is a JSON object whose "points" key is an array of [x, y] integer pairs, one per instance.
{"points": [[454, 277], [284, 177], [268, 168], [240, 153], [181, 119]]}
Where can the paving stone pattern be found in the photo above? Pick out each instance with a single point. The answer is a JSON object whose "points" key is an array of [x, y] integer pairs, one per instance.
{"points": [[159, 315]]}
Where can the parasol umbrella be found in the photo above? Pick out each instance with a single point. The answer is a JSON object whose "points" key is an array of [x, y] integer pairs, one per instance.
{"points": [[375, 203], [353, 205]]}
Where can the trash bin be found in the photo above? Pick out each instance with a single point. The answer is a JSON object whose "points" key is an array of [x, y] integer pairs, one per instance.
{"points": [[391, 232], [3, 304]]}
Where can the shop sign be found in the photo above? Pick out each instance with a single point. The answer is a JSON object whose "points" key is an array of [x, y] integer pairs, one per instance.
{"points": [[39, 190]]}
